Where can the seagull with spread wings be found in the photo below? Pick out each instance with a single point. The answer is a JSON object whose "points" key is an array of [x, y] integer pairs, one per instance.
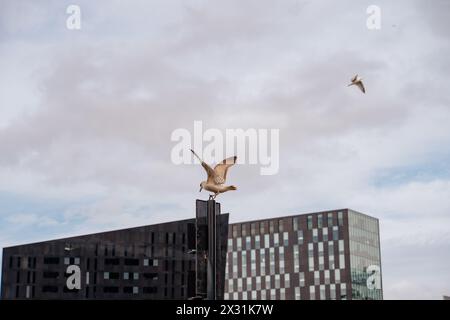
{"points": [[217, 176], [357, 81]]}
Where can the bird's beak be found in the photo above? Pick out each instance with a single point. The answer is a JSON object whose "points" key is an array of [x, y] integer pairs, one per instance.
{"points": [[201, 188]]}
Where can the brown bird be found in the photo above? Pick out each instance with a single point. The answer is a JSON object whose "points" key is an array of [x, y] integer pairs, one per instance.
{"points": [[358, 82], [216, 176]]}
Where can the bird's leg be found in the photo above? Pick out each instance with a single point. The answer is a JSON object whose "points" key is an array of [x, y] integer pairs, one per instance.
{"points": [[215, 195]]}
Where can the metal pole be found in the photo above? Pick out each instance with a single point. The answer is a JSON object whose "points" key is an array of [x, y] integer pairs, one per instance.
{"points": [[212, 253]]}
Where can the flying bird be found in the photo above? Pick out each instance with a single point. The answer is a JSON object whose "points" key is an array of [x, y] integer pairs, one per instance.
{"points": [[358, 82], [217, 176]]}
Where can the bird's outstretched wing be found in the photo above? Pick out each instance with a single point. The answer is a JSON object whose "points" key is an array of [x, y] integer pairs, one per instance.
{"points": [[221, 169], [209, 171], [354, 78], [361, 86]]}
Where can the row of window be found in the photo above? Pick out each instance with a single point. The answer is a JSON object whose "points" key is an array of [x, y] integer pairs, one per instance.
{"points": [[321, 219], [267, 259], [284, 224], [277, 239], [322, 292], [278, 281], [270, 294], [254, 283]]}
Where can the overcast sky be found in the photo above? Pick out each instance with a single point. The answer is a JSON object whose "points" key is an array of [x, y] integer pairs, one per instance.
{"points": [[86, 118]]}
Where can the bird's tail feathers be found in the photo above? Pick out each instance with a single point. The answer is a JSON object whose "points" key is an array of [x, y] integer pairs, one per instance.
{"points": [[232, 188]]}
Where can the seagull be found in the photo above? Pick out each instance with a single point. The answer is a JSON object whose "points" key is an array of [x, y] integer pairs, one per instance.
{"points": [[357, 81], [216, 176]]}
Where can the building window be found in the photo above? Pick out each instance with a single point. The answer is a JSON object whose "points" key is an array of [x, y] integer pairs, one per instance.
{"points": [[330, 219], [244, 230], [105, 275], [302, 279], [257, 242], [272, 260], [297, 293], [341, 246], [281, 259], [131, 262], [249, 284], [331, 255], [253, 262], [253, 229], [341, 261], [325, 234], [333, 292], [300, 236], [322, 292], [311, 263], [311, 256], [295, 223], [315, 235], [277, 281], [312, 293], [262, 254], [335, 233], [268, 282], [340, 218], [309, 222], [280, 226], [285, 239], [282, 294], [337, 276], [110, 289], [248, 243], [258, 283], [239, 243], [273, 294], [327, 276], [343, 291], [271, 226], [244, 264], [263, 295], [230, 244], [296, 257], [48, 260], [262, 227], [266, 241], [235, 232], [316, 278], [287, 280], [319, 221]]}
